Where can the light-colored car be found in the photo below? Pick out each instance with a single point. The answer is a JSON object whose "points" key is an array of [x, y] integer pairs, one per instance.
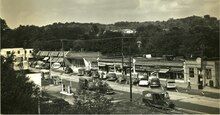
{"points": [[143, 82], [170, 84], [102, 74], [38, 66]]}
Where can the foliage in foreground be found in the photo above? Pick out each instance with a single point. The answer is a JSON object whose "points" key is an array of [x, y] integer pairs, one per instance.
{"points": [[87, 102], [18, 95]]}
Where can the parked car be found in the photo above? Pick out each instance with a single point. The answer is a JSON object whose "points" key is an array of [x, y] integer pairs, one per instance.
{"points": [[102, 74], [170, 84], [120, 77], [155, 82], [38, 66], [134, 77], [81, 72], [111, 76], [143, 82], [68, 70], [95, 73], [157, 98], [153, 75]]}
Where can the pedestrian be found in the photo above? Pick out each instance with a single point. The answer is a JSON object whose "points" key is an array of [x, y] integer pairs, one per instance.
{"points": [[189, 85]]}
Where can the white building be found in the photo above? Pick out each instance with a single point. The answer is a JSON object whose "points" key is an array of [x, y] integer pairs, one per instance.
{"points": [[21, 56], [205, 73]]}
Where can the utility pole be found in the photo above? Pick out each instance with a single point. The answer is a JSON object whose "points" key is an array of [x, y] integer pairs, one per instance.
{"points": [[62, 52], [122, 56], [50, 66], [130, 73], [202, 65]]}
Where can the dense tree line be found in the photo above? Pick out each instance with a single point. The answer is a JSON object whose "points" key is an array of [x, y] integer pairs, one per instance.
{"points": [[190, 36]]}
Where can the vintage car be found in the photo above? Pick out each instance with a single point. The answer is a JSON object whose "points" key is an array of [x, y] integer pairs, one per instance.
{"points": [[81, 72], [95, 73], [155, 82], [143, 82], [170, 84], [120, 77], [68, 70], [102, 74], [111, 76], [157, 98], [134, 77]]}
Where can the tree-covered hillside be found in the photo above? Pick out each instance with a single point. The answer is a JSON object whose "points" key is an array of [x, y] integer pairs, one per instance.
{"points": [[190, 36]]}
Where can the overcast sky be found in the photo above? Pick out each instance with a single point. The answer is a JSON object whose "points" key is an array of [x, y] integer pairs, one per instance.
{"points": [[43, 12]]}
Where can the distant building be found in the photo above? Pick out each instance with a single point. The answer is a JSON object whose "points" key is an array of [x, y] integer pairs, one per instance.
{"points": [[21, 56], [128, 31], [81, 60]]}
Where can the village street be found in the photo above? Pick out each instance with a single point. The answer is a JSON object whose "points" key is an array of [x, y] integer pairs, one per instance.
{"points": [[183, 101]]}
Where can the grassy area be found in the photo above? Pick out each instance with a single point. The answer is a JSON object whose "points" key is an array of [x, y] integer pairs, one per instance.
{"points": [[127, 107]]}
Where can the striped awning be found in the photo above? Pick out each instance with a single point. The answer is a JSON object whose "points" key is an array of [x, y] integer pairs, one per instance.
{"points": [[60, 60], [54, 59]]}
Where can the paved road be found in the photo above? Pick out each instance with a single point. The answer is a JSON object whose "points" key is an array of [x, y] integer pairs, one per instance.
{"points": [[186, 102], [190, 103]]}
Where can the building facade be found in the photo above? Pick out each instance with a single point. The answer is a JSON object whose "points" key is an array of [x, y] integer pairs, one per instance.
{"points": [[21, 56], [165, 69], [202, 73]]}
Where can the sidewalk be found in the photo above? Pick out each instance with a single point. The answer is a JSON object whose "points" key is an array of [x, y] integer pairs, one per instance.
{"points": [[206, 91]]}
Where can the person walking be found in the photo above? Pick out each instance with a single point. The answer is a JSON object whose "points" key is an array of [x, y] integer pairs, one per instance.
{"points": [[189, 85]]}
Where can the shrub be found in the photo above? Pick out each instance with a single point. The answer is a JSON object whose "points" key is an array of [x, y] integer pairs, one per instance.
{"points": [[87, 102]]}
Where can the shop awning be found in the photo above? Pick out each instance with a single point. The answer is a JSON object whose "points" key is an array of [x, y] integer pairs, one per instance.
{"points": [[60, 60], [176, 69], [46, 58], [163, 70], [54, 59]]}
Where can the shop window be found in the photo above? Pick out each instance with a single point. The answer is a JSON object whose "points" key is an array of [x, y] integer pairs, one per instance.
{"points": [[209, 73], [191, 72], [8, 52], [64, 87], [179, 76]]}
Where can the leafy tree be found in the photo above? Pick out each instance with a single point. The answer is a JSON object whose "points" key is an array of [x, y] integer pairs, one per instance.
{"points": [[86, 102], [18, 95]]}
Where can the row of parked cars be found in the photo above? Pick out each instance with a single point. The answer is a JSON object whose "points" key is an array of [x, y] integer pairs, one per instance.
{"points": [[137, 79]]}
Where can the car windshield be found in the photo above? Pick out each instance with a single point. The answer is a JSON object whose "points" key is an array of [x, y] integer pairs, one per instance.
{"points": [[158, 96], [154, 80], [144, 79]]}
